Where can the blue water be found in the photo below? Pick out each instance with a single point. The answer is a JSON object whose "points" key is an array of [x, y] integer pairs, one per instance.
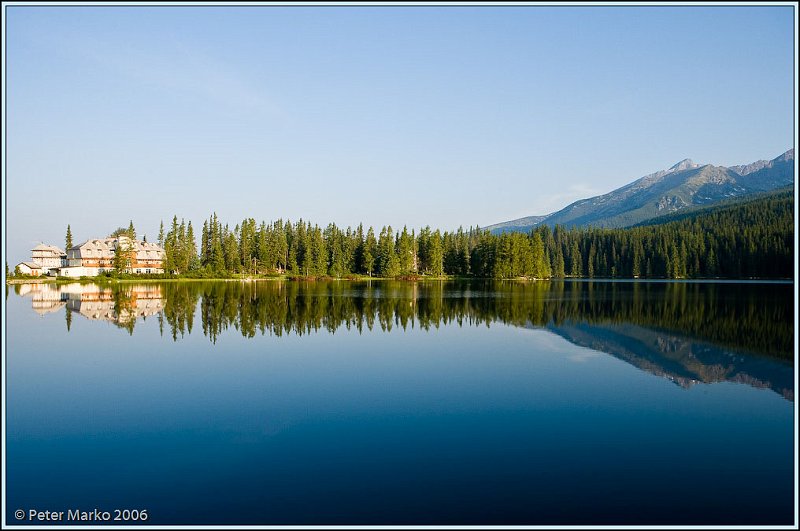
{"points": [[486, 421]]}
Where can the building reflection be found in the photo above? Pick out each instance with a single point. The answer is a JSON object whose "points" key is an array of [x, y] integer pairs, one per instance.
{"points": [[120, 305], [45, 298]]}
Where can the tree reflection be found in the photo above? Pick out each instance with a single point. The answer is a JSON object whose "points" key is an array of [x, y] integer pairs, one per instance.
{"points": [[686, 332], [757, 318], [752, 317]]}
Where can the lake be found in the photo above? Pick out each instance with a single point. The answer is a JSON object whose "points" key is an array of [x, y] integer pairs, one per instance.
{"points": [[402, 403]]}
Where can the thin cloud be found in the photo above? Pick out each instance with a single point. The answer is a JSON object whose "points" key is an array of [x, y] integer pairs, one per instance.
{"points": [[584, 356], [547, 204], [554, 202], [178, 67]]}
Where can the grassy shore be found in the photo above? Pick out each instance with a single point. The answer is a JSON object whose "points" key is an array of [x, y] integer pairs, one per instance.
{"points": [[232, 278], [30, 280]]}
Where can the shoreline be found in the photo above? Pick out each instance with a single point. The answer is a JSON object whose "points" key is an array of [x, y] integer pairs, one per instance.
{"points": [[283, 278]]}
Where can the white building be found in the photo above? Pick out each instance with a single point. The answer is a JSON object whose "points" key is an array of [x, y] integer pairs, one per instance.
{"points": [[97, 256], [29, 268], [49, 257]]}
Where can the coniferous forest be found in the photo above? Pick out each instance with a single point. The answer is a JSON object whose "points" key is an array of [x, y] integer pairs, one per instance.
{"points": [[746, 239]]}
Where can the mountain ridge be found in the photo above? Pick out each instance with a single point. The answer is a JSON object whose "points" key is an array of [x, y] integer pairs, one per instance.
{"points": [[683, 185]]}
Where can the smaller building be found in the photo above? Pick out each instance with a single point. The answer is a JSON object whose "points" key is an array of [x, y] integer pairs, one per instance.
{"points": [[49, 257], [29, 268]]}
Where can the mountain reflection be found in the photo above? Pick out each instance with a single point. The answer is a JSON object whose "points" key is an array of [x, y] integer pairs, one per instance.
{"points": [[682, 360], [686, 332]]}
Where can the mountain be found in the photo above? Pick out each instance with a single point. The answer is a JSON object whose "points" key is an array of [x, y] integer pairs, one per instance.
{"points": [[683, 185], [774, 174]]}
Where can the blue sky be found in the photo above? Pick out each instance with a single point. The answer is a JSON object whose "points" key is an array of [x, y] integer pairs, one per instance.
{"points": [[444, 116]]}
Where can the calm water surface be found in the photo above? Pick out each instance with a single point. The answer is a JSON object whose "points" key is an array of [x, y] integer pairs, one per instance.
{"points": [[404, 403]]}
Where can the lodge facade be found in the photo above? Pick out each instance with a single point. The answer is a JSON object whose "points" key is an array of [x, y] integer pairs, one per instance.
{"points": [[97, 256]]}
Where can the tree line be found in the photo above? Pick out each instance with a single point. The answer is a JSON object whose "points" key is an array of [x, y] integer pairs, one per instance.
{"points": [[750, 239]]}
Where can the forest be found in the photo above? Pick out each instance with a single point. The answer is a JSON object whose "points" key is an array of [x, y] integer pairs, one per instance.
{"points": [[749, 239]]}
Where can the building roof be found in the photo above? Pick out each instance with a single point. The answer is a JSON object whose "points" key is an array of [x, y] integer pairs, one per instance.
{"points": [[106, 247], [30, 265], [43, 247], [147, 250], [94, 243]]}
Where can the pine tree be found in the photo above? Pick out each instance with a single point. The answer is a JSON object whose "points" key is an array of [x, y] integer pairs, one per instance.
{"points": [[318, 263], [262, 247], [302, 256], [230, 251], [217, 261], [590, 261], [436, 254], [575, 260], [558, 263], [281, 245], [405, 252], [68, 239], [182, 250], [358, 266], [370, 252], [638, 251], [192, 261], [388, 264], [121, 258], [205, 245], [540, 268]]}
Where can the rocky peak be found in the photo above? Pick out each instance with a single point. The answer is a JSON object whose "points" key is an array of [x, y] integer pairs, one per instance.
{"points": [[685, 164], [789, 155]]}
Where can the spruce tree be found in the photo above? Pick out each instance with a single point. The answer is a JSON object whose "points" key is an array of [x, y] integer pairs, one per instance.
{"points": [[281, 245], [262, 247], [370, 252], [436, 254], [575, 260], [405, 252]]}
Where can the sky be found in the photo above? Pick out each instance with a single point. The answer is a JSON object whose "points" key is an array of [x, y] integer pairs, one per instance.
{"points": [[445, 116]]}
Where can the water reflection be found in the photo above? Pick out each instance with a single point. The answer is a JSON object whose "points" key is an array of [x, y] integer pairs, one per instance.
{"points": [[682, 360], [686, 332], [121, 305]]}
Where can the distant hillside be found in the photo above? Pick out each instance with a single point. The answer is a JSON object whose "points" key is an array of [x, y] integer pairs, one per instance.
{"points": [[745, 239], [517, 225], [728, 205], [684, 185]]}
